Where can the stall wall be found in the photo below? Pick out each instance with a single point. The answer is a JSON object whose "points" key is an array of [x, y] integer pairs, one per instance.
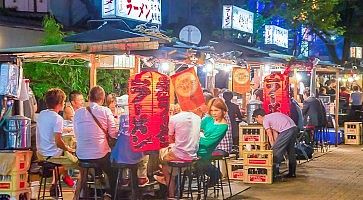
{"points": [[19, 37]]}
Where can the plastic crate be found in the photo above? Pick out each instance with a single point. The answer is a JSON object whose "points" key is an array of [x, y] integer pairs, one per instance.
{"points": [[353, 128], [258, 158], [352, 139], [235, 170], [13, 182], [255, 174], [15, 195], [22, 160], [252, 134], [253, 147]]}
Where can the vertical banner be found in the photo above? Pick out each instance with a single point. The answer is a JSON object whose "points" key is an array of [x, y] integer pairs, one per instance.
{"points": [[187, 88], [149, 111], [276, 94], [240, 80]]}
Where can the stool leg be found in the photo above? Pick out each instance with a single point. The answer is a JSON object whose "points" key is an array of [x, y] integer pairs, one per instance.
{"points": [[190, 182], [60, 192], [220, 178], [171, 177], [40, 187], [86, 185], [117, 182], [134, 184], [45, 184], [229, 182], [94, 185], [178, 191], [199, 185]]}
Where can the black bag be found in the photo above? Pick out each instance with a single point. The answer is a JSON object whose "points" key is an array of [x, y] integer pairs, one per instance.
{"points": [[303, 151]]}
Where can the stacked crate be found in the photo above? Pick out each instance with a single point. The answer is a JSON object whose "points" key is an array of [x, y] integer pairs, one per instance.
{"points": [[252, 136], [235, 169], [353, 132], [257, 166], [15, 184]]}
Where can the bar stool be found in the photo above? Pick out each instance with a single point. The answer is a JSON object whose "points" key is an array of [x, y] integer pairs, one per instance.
{"points": [[134, 184], [216, 157], [46, 171], [179, 165], [85, 183]]}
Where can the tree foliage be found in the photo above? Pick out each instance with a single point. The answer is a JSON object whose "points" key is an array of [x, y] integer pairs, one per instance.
{"points": [[68, 75]]}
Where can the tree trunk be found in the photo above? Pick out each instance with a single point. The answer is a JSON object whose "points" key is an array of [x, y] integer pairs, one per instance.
{"points": [[330, 47]]}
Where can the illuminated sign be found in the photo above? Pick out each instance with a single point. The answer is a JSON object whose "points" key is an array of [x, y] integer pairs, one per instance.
{"points": [[356, 52], [276, 35], [237, 18], [140, 10]]}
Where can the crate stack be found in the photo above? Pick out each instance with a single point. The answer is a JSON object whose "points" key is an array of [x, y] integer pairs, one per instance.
{"points": [[353, 133], [235, 169], [14, 184], [257, 166], [253, 136]]}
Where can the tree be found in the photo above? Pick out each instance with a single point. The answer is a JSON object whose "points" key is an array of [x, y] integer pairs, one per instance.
{"points": [[325, 18], [66, 74]]}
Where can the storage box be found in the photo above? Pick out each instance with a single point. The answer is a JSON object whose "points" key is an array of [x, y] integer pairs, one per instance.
{"points": [[258, 158], [353, 128], [13, 182], [252, 147], [17, 161], [15, 195], [329, 136], [252, 134], [254, 174], [235, 170], [352, 139]]}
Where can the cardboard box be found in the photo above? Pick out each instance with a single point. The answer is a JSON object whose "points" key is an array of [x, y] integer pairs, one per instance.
{"points": [[258, 158], [235, 170], [256, 174], [252, 147], [13, 182]]}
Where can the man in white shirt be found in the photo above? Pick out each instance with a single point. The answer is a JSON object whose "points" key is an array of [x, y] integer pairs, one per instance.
{"points": [[92, 145], [184, 135], [49, 134]]}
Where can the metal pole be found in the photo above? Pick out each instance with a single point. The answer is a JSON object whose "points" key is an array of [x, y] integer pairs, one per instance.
{"points": [[337, 109]]}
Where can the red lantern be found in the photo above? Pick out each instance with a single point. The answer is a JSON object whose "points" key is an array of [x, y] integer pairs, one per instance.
{"points": [[149, 111], [276, 94]]}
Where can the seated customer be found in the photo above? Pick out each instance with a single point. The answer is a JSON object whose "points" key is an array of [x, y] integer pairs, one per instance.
{"points": [[50, 145], [92, 145], [214, 128], [184, 134], [122, 152]]}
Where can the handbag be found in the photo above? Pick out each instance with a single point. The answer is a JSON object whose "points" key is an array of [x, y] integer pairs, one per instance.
{"points": [[111, 141]]}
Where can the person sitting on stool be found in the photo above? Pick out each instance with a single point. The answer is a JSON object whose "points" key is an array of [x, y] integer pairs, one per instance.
{"points": [[282, 132]]}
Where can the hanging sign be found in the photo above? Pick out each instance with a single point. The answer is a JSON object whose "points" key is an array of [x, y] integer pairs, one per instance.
{"points": [[276, 35], [276, 94], [188, 90], [149, 111], [240, 80], [237, 18], [140, 10]]}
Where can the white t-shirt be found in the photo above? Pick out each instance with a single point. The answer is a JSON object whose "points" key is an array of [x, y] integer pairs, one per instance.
{"points": [[186, 128], [48, 124]]}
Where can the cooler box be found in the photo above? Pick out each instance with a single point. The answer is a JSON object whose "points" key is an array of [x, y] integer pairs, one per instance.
{"points": [[329, 136]]}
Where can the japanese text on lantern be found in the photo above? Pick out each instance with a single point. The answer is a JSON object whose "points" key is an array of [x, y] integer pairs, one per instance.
{"points": [[276, 94], [149, 111]]}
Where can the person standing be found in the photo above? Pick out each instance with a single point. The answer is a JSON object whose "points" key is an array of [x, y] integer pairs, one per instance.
{"points": [[357, 101], [282, 132], [233, 114], [92, 137]]}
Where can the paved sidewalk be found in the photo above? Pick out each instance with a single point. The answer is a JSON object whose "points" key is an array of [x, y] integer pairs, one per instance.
{"points": [[337, 174]]}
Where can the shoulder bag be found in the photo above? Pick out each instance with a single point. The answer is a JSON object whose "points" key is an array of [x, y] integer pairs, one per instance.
{"points": [[111, 141]]}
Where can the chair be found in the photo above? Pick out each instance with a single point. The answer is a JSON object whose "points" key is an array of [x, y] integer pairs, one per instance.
{"points": [[216, 157], [47, 169], [85, 183], [180, 165], [133, 178]]}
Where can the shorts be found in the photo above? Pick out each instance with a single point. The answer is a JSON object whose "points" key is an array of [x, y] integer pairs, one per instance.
{"points": [[165, 155], [67, 159]]}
